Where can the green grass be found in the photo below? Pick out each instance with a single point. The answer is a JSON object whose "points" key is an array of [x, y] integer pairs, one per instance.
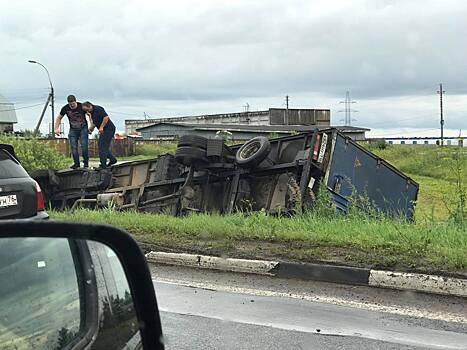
{"points": [[383, 243], [424, 160], [148, 151], [156, 149]]}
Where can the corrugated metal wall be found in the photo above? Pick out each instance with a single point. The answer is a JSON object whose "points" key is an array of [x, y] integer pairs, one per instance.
{"points": [[7, 111], [280, 116], [273, 116]]}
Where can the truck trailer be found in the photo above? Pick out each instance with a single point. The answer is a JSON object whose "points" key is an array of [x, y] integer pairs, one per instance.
{"points": [[281, 175]]}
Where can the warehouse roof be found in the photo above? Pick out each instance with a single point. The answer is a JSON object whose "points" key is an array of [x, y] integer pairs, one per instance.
{"points": [[266, 128], [7, 111]]}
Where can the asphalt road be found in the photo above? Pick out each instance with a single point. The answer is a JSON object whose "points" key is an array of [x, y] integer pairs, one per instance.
{"points": [[203, 309]]}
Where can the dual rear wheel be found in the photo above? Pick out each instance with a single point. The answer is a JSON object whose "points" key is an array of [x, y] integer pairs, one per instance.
{"points": [[191, 150]]}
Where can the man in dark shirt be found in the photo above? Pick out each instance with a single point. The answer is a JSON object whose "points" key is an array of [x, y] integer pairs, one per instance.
{"points": [[78, 130], [101, 120]]}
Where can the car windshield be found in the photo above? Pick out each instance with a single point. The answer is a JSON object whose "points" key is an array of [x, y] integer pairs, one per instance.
{"points": [[295, 172]]}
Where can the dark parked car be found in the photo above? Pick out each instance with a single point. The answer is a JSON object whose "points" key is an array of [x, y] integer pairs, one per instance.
{"points": [[20, 195]]}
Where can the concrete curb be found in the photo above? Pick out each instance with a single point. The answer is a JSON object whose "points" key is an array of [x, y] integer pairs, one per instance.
{"points": [[418, 282], [258, 267], [320, 272]]}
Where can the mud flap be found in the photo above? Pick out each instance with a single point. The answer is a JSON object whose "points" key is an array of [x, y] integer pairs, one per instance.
{"points": [[278, 200]]}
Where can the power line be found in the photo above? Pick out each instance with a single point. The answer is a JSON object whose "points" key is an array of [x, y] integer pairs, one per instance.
{"points": [[24, 102], [28, 89], [122, 113], [15, 109]]}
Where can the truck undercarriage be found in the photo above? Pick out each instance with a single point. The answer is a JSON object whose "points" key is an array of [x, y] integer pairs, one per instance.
{"points": [[280, 175]]}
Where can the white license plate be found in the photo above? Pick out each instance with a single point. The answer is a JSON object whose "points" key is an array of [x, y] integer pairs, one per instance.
{"points": [[322, 150], [8, 201]]}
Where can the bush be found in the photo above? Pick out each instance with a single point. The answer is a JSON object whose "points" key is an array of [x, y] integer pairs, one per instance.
{"points": [[155, 149], [35, 155]]}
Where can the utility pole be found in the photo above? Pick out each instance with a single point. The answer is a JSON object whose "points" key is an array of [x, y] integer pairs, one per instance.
{"points": [[38, 125], [50, 99], [347, 109], [286, 109], [441, 92], [52, 104]]}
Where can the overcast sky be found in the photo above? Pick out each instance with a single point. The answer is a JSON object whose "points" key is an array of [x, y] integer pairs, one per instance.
{"points": [[170, 58]]}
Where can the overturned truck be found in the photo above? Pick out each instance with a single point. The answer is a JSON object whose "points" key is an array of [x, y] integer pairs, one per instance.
{"points": [[280, 175]]}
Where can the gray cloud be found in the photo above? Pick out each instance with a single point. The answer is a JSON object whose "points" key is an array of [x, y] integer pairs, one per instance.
{"points": [[186, 51]]}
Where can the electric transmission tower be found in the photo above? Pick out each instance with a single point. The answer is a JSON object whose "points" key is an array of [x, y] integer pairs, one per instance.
{"points": [[347, 109]]}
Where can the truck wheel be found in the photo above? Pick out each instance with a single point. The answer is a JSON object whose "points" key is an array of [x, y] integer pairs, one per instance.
{"points": [[193, 141], [190, 155], [253, 152]]}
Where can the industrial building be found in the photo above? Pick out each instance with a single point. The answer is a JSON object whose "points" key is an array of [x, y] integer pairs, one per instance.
{"points": [[272, 116], [448, 141], [235, 132], [239, 126], [7, 115]]}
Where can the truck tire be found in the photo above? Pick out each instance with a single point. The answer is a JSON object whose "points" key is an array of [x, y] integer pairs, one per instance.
{"points": [[253, 152], [193, 141], [190, 155]]}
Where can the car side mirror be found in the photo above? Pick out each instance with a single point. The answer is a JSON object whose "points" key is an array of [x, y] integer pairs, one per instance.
{"points": [[74, 286]]}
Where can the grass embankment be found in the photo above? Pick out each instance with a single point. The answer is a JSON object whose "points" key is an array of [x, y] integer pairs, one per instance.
{"points": [[355, 240], [435, 243], [436, 170]]}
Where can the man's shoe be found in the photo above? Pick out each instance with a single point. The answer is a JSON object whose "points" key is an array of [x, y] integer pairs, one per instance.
{"points": [[74, 166], [112, 162], [85, 166], [100, 167]]}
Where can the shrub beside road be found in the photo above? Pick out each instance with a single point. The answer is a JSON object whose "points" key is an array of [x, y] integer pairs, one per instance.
{"points": [[35, 155]]}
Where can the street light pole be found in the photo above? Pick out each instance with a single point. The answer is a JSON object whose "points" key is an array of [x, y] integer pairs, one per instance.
{"points": [[51, 99]]}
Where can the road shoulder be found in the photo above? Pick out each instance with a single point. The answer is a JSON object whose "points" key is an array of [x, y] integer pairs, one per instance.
{"points": [[320, 272]]}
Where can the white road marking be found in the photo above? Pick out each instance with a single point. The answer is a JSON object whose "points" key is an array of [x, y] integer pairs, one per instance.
{"points": [[403, 311], [231, 304]]}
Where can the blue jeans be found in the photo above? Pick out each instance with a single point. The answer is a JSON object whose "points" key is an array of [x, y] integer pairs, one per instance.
{"points": [[105, 139], [80, 134]]}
